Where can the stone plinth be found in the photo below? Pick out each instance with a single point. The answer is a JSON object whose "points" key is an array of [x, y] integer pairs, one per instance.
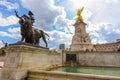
{"points": [[21, 58], [81, 39]]}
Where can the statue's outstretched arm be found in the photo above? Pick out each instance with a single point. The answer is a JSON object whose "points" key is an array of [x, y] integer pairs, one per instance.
{"points": [[82, 9], [16, 13]]}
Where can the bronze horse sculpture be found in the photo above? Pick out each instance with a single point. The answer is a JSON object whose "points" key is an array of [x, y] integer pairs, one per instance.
{"points": [[30, 34]]}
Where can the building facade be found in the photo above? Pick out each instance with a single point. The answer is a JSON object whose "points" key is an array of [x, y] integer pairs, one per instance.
{"points": [[115, 46]]}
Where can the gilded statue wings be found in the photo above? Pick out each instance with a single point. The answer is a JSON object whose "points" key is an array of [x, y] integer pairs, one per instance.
{"points": [[79, 14]]}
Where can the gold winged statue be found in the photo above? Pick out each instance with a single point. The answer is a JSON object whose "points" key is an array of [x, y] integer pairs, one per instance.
{"points": [[79, 16]]}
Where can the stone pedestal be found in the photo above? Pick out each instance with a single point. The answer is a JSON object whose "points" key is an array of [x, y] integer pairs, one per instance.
{"points": [[20, 59], [81, 47], [81, 40]]}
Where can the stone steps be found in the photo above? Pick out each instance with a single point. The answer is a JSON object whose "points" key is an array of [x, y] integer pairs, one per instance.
{"points": [[51, 75]]}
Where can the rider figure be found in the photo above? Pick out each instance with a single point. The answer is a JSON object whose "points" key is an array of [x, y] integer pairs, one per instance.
{"points": [[25, 16], [31, 17], [31, 20]]}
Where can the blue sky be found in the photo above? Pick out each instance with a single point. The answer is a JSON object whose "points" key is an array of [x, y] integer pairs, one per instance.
{"points": [[56, 17]]}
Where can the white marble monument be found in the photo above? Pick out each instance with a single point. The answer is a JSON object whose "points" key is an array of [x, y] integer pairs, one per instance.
{"points": [[81, 40]]}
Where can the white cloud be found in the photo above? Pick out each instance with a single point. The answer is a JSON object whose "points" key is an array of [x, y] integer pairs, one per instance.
{"points": [[64, 24], [104, 32], [112, 1], [45, 12], [8, 21], [1, 44], [98, 10], [105, 13], [8, 5], [14, 30], [94, 40], [59, 38], [3, 34], [12, 33], [103, 19]]}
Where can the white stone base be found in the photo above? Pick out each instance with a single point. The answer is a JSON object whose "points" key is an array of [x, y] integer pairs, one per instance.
{"points": [[21, 58], [81, 47]]}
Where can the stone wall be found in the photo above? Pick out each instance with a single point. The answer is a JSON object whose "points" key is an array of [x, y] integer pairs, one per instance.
{"points": [[110, 59], [105, 59], [20, 59], [2, 58]]}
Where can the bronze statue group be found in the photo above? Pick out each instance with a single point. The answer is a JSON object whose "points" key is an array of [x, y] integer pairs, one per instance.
{"points": [[30, 34]]}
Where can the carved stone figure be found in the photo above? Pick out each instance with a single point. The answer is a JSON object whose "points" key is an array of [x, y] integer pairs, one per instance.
{"points": [[30, 34]]}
